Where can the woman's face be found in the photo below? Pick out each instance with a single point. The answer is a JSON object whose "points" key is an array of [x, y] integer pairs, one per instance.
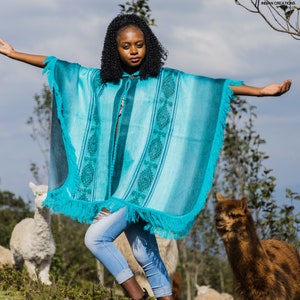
{"points": [[131, 47]]}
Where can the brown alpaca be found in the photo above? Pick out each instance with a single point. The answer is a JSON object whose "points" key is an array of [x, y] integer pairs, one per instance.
{"points": [[262, 269]]}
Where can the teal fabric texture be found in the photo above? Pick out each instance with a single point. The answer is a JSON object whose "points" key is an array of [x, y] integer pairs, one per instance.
{"points": [[150, 145]]}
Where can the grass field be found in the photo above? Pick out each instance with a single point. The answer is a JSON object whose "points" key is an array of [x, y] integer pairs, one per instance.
{"points": [[10, 296]]}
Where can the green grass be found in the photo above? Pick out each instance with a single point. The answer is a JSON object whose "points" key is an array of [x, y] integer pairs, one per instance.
{"points": [[15, 285], [5, 295]]}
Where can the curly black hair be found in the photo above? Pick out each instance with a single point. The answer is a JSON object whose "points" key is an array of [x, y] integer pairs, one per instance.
{"points": [[111, 68]]}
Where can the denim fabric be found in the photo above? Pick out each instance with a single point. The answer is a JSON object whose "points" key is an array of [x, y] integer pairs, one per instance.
{"points": [[99, 240]]}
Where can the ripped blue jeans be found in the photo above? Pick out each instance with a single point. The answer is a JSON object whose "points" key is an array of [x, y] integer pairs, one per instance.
{"points": [[100, 237]]}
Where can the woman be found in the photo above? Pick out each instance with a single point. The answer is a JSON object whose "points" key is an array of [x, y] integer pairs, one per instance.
{"points": [[134, 146]]}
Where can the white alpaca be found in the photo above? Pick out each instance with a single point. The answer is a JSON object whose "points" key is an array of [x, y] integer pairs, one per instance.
{"points": [[207, 293], [168, 251], [6, 257], [32, 242]]}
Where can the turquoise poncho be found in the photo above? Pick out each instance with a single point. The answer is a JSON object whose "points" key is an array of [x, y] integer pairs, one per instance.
{"points": [[160, 161]]}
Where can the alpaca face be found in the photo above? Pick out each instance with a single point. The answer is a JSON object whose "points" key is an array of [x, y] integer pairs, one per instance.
{"points": [[231, 217], [40, 193]]}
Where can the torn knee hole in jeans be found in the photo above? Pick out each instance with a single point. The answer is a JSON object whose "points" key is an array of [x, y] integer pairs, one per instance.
{"points": [[103, 213]]}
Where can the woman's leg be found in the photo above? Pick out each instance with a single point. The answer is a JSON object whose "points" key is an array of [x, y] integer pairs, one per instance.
{"points": [[99, 239], [145, 250]]}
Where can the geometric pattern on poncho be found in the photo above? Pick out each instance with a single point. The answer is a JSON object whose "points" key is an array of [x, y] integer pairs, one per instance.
{"points": [[165, 108]]}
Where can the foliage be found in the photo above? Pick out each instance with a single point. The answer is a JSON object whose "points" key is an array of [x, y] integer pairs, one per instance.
{"points": [[140, 8], [282, 16], [16, 285], [12, 210], [283, 223], [72, 261], [40, 123]]}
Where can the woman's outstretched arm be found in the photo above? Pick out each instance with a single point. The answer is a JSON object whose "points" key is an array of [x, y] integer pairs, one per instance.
{"points": [[274, 89], [9, 51]]}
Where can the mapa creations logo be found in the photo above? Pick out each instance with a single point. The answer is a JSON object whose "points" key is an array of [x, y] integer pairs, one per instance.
{"points": [[287, 8], [288, 4]]}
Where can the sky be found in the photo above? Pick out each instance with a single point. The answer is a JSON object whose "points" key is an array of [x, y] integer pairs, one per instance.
{"points": [[213, 38]]}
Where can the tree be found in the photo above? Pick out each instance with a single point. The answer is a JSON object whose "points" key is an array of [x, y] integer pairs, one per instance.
{"points": [[140, 8], [72, 261], [40, 123], [282, 16], [12, 210]]}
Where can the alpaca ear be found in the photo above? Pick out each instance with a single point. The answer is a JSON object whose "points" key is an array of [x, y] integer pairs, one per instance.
{"points": [[244, 202], [220, 198], [32, 185]]}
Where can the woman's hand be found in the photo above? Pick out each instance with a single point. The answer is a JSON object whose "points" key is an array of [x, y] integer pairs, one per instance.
{"points": [[5, 48], [32, 59], [276, 89], [273, 89]]}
